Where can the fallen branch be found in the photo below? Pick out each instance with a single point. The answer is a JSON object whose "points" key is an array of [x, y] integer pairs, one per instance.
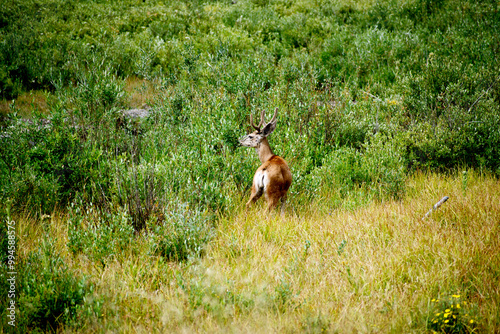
{"points": [[437, 205]]}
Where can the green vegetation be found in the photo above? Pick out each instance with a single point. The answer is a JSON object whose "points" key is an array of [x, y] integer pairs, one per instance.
{"points": [[370, 94], [452, 316]]}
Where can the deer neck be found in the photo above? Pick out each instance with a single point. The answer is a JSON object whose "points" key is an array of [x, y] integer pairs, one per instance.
{"points": [[264, 151]]}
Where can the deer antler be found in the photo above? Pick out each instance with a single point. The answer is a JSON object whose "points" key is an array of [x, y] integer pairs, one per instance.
{"points": [[253, 125], [261, 121], [275, 113]]}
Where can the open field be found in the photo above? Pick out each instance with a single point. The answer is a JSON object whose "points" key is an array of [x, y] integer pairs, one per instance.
{"points": [[375, 269]]}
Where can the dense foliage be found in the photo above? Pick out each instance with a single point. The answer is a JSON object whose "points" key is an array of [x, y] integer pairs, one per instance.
{"points": [[421, 76]]}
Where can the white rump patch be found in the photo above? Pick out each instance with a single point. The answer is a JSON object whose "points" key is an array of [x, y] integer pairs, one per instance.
{"points": [[260, 180]]}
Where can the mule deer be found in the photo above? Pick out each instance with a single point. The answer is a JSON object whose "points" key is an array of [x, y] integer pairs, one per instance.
{"points": [[273, 177]]}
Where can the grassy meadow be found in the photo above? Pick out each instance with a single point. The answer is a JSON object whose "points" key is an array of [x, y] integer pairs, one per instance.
{"points": [[375, 269], [113, 223]]}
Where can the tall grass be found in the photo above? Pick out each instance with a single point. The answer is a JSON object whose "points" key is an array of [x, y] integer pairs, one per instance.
{"points": [[380, 268]]}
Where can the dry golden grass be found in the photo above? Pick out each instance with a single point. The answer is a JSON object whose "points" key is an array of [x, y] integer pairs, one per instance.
{"points": [[140, 91], [375, 269], [26, 103]]}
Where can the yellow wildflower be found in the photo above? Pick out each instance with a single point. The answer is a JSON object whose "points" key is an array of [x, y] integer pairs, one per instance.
{"points": [[456, 296], [471, 321], [446, 321], [458, 305], [447, 310]]}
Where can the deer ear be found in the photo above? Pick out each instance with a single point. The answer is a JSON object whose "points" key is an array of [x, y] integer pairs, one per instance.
{"points": [[268, 129]]}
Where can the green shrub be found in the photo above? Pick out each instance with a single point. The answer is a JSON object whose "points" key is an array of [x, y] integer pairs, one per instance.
{"points": [[140, 189], [350, 70], [181, 234], [48, 294], [96, 94], [43, 162], [99, 235], [455, 141], [380, 167]]}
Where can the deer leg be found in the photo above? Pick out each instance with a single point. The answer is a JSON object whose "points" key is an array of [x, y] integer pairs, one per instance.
{"points": [[272, 201], [256, 194], [283, 202]]}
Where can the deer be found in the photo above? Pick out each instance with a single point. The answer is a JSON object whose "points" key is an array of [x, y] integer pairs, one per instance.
{"points": [[273, 177]]}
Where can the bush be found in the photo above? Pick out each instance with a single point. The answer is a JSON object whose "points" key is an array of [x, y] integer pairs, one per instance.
{"points": [[48, 294], [139, 188], [4, 241], [350, 71], [43, 163], [455, 141], [99, 235], [181, 235], [380, 167]]}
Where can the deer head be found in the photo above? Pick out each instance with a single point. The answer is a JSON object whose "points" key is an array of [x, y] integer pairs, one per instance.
{"points": [[255, 138]]}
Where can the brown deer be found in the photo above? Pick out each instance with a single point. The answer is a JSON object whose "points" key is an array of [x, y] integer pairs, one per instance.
{"points": [[273, 177]]}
